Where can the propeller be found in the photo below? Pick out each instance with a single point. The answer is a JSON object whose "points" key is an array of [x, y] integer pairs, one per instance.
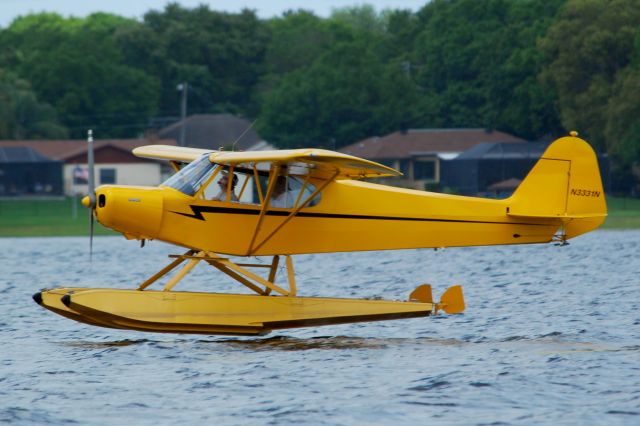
{"points": [[90, 200]]}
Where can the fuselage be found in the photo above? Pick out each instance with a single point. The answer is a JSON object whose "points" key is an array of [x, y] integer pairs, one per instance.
{"points": [[350, 216]]}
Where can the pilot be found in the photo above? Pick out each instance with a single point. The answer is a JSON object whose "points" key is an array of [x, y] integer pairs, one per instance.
{"points": [[223, 183]]}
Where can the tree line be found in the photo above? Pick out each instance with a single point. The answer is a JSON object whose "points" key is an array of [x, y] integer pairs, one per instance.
{"points": [[534, 68]]}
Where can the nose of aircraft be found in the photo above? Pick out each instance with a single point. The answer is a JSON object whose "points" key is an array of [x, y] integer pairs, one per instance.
{"points": [[134, 211], [86, 201]]}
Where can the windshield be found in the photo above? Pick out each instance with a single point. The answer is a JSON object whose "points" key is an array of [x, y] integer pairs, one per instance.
{"points": [[191, 177]]}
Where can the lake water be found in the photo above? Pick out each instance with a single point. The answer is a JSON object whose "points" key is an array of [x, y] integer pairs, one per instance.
{"points": [[550, 335]]}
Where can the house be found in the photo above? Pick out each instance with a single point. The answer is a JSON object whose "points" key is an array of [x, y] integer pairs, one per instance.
{"points": [[114, 161], [215, 131], [480, 168], [24, 171], [496, 169], [419, 153], [504, 187]]}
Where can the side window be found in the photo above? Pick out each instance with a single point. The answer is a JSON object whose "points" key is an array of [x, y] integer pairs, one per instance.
{"points": [[298, 186], [291, 191], [242, 187], [213, 189], [107, 176], [425, 169]]}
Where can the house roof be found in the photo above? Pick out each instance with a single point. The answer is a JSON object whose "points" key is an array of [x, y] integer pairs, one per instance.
{"points": [[66, 149], [413, 142], [212, 131], [500, 151], [505, 185], [22, 154]]}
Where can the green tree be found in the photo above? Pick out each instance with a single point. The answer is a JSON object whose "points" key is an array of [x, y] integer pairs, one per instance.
{"points": [[75, 65], [622, 131], [362, 18], [295, 41], [346, 95], [402, 29], [477, 63], [591, 42], [22, 116], [220, 55]]}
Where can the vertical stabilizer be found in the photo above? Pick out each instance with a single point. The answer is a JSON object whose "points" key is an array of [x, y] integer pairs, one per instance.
{"points": [[565, 184]]}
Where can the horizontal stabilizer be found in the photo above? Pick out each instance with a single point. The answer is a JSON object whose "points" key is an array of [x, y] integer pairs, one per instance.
{"points": [[452, 301], [422, 294]]}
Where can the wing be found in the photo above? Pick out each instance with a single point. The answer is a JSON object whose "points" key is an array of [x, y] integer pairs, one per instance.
{"points": [[318, 162], [170, 153]]}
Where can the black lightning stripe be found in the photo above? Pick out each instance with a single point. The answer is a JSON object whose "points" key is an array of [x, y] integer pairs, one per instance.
{"points": [[199, 210]]}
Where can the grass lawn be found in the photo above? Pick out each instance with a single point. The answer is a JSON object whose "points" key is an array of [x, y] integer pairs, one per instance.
{"points": [[624, 213], [55, 217], [50, 217]]}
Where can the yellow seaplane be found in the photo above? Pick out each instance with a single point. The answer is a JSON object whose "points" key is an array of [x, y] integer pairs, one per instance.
{"points": [[221, 205]]}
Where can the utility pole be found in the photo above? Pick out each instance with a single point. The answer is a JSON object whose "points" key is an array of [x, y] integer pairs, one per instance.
{"points": [[184, 87]]}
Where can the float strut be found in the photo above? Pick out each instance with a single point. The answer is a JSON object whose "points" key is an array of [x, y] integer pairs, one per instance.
{"points": [[291, 276], [164, 271], [193, 261], [272, 272]]}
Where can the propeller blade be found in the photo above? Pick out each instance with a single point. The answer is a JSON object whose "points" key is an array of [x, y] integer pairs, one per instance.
{"points": [[92, 189], [90, 235]]}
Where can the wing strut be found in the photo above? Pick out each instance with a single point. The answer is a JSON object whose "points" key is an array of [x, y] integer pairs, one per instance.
{"points": [[265, 206]]}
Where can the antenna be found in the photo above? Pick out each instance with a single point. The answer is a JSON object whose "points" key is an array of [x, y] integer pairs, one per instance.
{"points": [[233, 146], [184, 88]]}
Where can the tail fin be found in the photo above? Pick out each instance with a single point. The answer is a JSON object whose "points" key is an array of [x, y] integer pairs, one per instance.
{"points": [[565, 184]]}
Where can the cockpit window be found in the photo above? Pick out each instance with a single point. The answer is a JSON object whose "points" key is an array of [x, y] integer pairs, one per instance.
{"points": [[191, 177], [289, 191]]}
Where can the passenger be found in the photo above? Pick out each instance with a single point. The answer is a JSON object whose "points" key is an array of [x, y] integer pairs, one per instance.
{"points": [[223, 183], [280, 195]]}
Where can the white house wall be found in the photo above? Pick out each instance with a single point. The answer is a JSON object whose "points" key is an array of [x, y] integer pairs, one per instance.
{"points": [[145, 174]]}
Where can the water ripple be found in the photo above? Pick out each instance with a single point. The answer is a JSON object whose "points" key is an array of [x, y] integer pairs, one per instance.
{"points": [[549, 336]]}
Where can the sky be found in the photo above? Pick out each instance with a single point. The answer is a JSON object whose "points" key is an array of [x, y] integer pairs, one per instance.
{"points": [[10, 9]]}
